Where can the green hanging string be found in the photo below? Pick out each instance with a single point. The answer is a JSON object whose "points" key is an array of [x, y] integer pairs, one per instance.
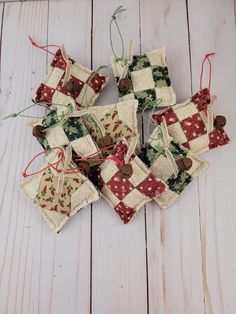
{"points": [[18, 114], [151, 105], [113, 19]]}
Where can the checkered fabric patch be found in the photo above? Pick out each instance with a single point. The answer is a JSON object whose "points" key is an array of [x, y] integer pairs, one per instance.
{"points": [[150, 79], [71, 130], [187, 123], [119, 120], [154, 156], [127, 195], [57, 208], [83, 85]]}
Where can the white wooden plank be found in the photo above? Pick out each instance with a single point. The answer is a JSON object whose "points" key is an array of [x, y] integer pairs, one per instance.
{"points": [[173, 246], [118, 259], [217, 201], [66, 283], [20, 222]]}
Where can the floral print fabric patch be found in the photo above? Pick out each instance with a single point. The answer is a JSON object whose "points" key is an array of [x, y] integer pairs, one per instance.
{"points": [[58, 207], [155, 156], [148, 79], [117, 120], [190, 124], [82, 85]]}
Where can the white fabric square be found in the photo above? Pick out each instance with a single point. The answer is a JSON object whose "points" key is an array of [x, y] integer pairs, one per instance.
{"points": [[186, 111], [140, 171], [108, 170], [166, 94], [142, 79], [84, 146], [80, 72], [200, 144], [176, 131], [157, 57], [110, 196], [164, 171], [56, 137], [55, 77], [135, 199]]}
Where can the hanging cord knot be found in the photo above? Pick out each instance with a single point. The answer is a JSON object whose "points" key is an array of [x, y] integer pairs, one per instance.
{"points": [[113, 20]]}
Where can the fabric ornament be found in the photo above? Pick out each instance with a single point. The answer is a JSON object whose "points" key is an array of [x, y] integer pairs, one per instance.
{"points": [[60, 130], [115, 122], [193, 122], [171, 162], [129, 185], [143, 77], [69, 80], [59, 190]]}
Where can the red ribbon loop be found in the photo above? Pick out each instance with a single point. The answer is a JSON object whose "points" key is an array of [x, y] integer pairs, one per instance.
{"points": [[43, 47], [206, 58]]}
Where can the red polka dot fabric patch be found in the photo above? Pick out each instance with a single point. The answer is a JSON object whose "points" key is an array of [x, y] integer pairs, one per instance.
{"points": [[127, 193], [193, 123], [67, 80]]}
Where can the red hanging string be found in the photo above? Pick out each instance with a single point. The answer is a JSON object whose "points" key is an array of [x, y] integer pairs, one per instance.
{"points": [[43, 47], [51, 165], [206, 58], [61, 158]]}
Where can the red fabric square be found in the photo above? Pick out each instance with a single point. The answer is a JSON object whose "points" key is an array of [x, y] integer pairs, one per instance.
{"points": [[44, 93], [119, 185], [168, 114], [96, 82], [193, 126], [120, 150], [201, 99], [125, 212], [74, 94], [58, 61], [151, 186], [186, 145], [218, 137]]}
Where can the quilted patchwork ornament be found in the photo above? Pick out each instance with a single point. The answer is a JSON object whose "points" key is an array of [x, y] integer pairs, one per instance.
{"points": [[193, 123], [68, 80], [60, 130], [129, 185], [116, 121], [170, 162], [59, 192], [145, 78]]}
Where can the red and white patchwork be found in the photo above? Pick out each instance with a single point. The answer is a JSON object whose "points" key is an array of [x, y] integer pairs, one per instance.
{"points": [[127, 195], [188, 123], [82, 85]]}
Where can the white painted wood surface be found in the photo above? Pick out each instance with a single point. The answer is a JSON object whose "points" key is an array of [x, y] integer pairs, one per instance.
{"points": [[181, 260]]}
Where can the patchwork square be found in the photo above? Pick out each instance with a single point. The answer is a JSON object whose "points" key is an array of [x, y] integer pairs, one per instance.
{"points": [[193, 123], [117, 120], [61, 130], [162, 155], [58, 207], [147, 79], [68, 80], [124, 194]]}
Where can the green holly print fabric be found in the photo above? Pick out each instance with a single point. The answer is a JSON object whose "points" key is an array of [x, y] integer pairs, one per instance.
{"points": [[73, 127], [149, 77], [149, 155], [178, 184], [48, 199]]}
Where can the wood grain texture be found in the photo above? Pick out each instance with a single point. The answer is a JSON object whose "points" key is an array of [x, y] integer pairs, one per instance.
{"points": [[118, 255], [181, 260]]}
